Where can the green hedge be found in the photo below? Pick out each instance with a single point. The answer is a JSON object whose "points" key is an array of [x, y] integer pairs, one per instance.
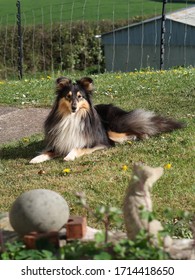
{"points": [[69, 46]]}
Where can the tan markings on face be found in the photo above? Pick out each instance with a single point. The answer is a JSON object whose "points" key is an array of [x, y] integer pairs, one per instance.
{"points": [[83, 104], [64, 107]]}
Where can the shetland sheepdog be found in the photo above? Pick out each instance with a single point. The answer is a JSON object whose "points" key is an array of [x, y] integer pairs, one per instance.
{"points": [[75, 127]]}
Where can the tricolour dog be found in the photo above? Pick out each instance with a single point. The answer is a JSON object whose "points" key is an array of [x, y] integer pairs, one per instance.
{"points": [[75, 127]]}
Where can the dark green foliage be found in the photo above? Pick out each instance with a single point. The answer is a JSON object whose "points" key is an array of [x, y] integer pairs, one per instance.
{"points": [[140, 249], [66, 46], [180, 223], [17, 251]]}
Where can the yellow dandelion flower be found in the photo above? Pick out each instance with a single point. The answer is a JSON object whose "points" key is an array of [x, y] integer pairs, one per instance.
{"points": [[124, 167], [129, 142], [66, 170], [48, 77], [26, 140], [168, 166]]}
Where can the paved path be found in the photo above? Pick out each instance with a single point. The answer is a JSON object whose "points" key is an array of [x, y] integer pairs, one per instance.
{"points": [[16, 123]]}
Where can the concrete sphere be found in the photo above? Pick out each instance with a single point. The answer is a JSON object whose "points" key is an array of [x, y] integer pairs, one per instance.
{"points": [[39, 210]]}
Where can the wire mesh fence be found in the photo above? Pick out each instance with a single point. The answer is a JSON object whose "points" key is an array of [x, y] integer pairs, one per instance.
{"points": [[66, 36]]}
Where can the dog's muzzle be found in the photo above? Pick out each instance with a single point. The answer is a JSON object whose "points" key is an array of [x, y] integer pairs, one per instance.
{"points": [[74, 108]]}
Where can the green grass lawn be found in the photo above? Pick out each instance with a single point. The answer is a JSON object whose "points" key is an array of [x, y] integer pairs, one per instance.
{"points": [[47, 11], [101, 176]]}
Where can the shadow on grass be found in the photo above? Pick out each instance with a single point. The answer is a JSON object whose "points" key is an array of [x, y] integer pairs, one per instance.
{"points": [[21, 150]]}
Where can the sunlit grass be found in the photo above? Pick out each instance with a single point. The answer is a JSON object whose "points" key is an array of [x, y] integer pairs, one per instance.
{"points": [[51, 11], [104, 175]]}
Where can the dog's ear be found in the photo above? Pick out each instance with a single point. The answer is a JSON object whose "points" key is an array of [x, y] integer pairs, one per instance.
{"points": [[86, 83], [62, 83]]}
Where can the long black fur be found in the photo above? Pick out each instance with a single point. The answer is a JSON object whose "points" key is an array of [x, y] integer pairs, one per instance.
{"points": [[136, 122]]}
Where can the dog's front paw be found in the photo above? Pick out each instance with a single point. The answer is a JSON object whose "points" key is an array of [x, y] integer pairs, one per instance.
{"points": [[40, 158], [71, 156]]}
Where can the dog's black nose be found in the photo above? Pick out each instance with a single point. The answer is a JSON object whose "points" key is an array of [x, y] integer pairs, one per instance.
{"points": [[74, 109]]}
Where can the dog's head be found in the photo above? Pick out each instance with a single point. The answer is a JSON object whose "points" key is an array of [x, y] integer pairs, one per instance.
{"points": [[73, 97]]}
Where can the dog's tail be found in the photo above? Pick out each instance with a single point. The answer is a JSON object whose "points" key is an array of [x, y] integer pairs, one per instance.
{"points": [[146, 123]]}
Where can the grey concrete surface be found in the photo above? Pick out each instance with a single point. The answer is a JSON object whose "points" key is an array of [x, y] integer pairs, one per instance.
{"points": [[17, 123]]}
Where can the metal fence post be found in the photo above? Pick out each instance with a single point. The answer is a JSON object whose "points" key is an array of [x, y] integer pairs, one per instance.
{"points": [[162, 40], [20, 53]]}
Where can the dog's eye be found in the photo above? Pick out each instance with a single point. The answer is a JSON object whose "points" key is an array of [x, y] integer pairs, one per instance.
{"points": [[68, 96], [79, 96]]}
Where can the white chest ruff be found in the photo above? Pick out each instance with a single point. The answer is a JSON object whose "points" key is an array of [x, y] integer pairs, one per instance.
{"points": [[69, 134]]}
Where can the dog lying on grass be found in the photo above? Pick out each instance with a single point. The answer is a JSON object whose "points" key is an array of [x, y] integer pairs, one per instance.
{"points": [[75, 127]]}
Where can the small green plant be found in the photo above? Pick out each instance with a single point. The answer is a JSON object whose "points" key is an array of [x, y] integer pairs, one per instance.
{"points": [[17, 251], [139, 249], [179, 223], [102, 213]]}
